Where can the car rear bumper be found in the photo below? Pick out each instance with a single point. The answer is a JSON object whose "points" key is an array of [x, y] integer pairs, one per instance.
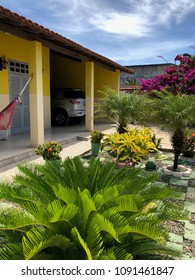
{"points": [[78, 113]]}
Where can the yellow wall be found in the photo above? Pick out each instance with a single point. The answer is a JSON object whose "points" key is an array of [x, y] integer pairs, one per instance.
{"points": [[15, 48], [104, 77]]}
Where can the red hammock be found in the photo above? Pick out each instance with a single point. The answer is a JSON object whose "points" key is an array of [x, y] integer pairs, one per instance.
{"points": [[7, 114]]}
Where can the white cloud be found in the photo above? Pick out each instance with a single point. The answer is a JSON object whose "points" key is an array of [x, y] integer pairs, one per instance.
{"points": [[122, 24], [127, 31], [150, 51]]}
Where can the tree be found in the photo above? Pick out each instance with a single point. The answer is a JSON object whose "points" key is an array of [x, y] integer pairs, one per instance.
{"points": [[176, 79], [78, 212], [175, 113], [121, 108]]}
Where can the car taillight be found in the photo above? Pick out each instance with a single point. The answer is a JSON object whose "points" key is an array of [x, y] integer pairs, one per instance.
{"points": [[74, 101]]}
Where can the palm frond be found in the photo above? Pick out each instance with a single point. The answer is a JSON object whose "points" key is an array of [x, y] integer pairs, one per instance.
{"points": [[147, 249], [94, 240], [105, 225], [87, 205], [60, 212], [104, 195], [120, 223], [74, 174], [148, 228], [13, 217], [11, 251], [31, 178], [76, 235], [66, 194], [38, 239], [115, 253]]}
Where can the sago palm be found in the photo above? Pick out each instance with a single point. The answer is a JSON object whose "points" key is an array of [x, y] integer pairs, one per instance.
{"points": [[78, 212], [174, 112]]}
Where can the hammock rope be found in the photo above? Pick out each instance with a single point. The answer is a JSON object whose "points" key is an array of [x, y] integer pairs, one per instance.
{"points": [[6, 115]]}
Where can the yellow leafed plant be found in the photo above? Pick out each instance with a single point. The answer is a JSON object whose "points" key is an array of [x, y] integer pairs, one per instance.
{"points": [[131, 146]]}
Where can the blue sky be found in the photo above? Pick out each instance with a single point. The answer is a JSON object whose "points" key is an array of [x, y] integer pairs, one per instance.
{"points": [[130, 32]]}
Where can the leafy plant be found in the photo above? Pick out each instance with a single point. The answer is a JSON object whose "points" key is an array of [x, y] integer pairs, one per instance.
{"points": [[96, 136], [175, 113], [131, 146], [49, 150], [121, 108], [188, 148], [97, 212]]}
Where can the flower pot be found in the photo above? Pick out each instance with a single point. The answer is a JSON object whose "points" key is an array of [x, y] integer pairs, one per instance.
{"points": [[95, 147], [123, 164]]}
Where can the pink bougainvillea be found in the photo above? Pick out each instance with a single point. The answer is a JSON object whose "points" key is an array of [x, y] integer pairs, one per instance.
{"points": [[177, 78]]}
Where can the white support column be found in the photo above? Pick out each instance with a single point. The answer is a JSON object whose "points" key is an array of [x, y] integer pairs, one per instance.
{"points": [[36, 95], [89, 95]]}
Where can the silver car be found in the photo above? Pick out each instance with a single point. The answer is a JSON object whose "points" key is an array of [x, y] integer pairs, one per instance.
{"points": [[67, 103]]}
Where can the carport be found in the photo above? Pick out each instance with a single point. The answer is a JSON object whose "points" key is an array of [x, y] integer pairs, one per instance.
{"points": [[53, 59]]}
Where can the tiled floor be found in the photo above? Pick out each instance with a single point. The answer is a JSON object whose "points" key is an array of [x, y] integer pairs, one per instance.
{"points": [[185, 240], [17, 147]]}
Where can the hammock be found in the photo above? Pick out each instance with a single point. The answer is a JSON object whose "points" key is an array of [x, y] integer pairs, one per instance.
{"points": [[6, 115]]}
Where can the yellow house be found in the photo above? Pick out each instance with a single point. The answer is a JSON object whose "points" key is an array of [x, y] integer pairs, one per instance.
{"points": [[53, 61]]}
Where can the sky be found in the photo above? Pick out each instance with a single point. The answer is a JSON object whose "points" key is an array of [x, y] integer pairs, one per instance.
{"points": [[129, 32]]}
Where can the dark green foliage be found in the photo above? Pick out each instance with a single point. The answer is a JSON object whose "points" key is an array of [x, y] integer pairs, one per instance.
{"points": [[174, 112], [121, 108], [77, 212]]}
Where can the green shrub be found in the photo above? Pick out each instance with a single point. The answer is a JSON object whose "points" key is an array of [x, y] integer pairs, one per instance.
{"points": [[93, 212], [121, 108]]}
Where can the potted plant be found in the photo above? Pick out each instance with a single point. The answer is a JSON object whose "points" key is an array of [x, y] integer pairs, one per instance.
{"points": [[96, 137], [50, 151], [151, 165]]}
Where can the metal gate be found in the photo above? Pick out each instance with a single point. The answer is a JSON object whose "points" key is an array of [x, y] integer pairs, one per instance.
{"points": [[18, 76]]}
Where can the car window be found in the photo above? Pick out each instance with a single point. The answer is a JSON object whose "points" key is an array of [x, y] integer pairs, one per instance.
{"points": [[73, 94]]}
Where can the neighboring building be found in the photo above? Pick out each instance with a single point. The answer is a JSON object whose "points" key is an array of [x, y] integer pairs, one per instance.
{"points": [[142, 71], [54, 61]]}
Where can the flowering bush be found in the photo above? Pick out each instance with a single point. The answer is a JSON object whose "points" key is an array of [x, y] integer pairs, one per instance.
{"points": [[49, 150], [177, 78], [189, 143]]}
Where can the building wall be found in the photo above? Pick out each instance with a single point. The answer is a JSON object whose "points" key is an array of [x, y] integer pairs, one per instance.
{"points": [[143, 71], [15, 48], [104, 77]]}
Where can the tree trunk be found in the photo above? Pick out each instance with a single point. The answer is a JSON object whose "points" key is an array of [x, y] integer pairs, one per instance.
{"points": [[177, 140], [176, 160]]}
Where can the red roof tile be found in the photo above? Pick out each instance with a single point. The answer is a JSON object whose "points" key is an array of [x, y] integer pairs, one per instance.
{"points": [[12, 19]]}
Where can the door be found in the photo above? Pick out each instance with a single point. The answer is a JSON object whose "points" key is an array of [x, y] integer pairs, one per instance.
{"points": [[18, 76]]}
